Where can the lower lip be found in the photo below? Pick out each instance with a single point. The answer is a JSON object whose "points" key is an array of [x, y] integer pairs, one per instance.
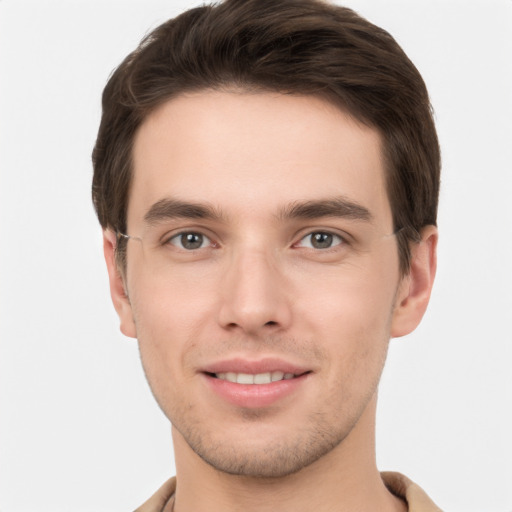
{"points": [[255, 396]]}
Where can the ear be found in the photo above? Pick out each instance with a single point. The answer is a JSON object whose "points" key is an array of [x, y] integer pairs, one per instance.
{"points": [[414, 291], [117, 286]]}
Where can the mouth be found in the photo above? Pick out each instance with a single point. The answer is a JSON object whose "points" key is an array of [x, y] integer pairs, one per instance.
{"points": [[255, 378], [256, 384]]}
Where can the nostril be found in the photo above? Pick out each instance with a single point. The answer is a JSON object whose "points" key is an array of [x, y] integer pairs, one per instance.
{"points": [[271, 323]]}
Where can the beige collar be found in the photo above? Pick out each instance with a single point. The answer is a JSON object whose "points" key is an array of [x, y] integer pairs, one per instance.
{"points": [[416, 498]]}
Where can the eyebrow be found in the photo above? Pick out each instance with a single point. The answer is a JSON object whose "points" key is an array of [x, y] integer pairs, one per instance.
{"points": [[332, 207], [169, 208]]}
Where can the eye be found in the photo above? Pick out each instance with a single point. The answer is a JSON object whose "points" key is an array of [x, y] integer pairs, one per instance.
{"points": [[190, 241], [320, 240]]}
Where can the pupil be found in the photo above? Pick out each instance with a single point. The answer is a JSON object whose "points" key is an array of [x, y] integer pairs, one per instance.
{"points": [[192, 240], [322, 240]]}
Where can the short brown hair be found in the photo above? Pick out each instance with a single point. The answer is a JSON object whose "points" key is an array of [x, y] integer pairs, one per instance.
{"points": [[289, 46]]}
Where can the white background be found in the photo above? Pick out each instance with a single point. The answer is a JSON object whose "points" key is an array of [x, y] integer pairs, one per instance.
{"points": [[79, 429]]}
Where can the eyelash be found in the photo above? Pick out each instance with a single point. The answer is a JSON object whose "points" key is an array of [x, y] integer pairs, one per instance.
{"points": [[334, 236], [179, 236]]}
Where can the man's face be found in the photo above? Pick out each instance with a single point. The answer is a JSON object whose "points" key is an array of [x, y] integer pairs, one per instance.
{"points": [[267, 254]]}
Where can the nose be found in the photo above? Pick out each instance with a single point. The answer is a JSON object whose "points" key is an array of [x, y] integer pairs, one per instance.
{"points": [[254, 298]]}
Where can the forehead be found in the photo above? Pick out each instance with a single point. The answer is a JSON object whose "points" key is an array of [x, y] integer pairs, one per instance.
{"points": [[246, 153]]}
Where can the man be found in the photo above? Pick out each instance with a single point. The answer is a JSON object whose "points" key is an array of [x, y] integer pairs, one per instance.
{"points": [[266, 174]]}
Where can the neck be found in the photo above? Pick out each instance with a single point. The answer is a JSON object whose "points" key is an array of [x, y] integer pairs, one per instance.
{"points": [[344, 479]]}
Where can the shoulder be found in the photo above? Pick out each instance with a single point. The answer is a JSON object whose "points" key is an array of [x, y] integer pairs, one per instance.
{"points": [[158, 501], [416, 498]]}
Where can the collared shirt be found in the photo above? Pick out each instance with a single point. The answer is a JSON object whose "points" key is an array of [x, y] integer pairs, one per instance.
{"points": [[415, 497]]}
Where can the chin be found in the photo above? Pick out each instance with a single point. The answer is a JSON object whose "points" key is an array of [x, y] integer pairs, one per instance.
{"points": [[267, 456]]}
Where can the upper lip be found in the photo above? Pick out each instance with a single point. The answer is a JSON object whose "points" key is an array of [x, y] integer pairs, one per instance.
{"points": [[241, 365]]}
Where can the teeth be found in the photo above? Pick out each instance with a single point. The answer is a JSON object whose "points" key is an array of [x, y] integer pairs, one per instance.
{"points": [[258, 378], [245, 378], [262, 378], [277, 376]]}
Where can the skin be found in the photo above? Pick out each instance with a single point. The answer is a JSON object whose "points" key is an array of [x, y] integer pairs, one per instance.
{"points": [[258, 288]]}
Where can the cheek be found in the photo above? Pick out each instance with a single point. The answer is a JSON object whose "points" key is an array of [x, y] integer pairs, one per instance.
{"points": [[169, 318], [344, 300], [358, 339], [170, 304], [350, 315]]}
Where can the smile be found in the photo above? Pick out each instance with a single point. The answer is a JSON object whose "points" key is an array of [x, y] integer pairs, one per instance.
{"points": [[257, 378], [255, 390]]}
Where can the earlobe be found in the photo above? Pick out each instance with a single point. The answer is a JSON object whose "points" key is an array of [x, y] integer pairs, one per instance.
{"points": [[117, 286], [414, 292]]}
